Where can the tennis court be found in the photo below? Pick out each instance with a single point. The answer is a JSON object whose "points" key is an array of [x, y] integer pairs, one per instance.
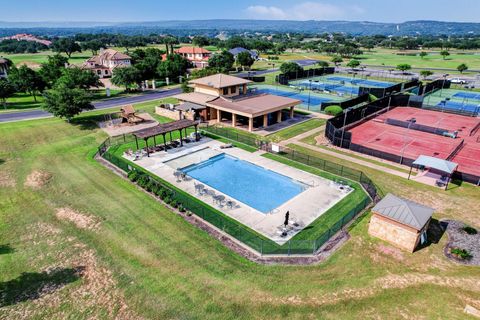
{"points": [[310, 101], [455, 101], [361, 82], [376, 134]]}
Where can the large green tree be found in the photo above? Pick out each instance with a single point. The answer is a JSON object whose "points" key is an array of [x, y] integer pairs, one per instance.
{"points": [[353, 63], [222, 62], [462, 68], [426, 73], [27, 80], [7, 89], [79, 78], [93, 45], [51, 70], [444, 54], [66, 45], [245, 59], [337, 60], [404, 67], [292, 67], [173, 67], [65, 102], [126, 77]]}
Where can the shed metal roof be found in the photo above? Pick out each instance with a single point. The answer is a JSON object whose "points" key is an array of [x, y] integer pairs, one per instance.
{"points": [[404, 211]]}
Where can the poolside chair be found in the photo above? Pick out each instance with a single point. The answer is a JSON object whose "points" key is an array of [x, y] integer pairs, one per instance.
{"points": [[231, 204]]}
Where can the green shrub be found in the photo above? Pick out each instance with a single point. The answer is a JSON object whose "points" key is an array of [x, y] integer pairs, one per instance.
{"points": [[333, 110], [469, 230], [133, 176], [461, 253], [143, 181]]}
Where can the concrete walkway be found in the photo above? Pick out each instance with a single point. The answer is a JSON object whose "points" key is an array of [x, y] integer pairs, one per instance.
{"points": [[296, 140]]}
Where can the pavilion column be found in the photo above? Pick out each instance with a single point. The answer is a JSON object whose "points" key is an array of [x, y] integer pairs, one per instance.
{"points": [[181, 139], [279, 116], [292, 112], [234, 120], [146, 144], [165, 142], [219, 115], [265, 120], [250, 124], [245, 88]]}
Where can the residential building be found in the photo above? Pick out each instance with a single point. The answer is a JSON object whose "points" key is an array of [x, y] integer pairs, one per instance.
{"points": [[197, 56], [401, 222], [225, 99], [106, 62], [237, 50], [27, 37], [3, 68]]}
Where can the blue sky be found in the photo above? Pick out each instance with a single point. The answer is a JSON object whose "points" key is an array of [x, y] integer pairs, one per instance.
{"points": [[155, 10]]}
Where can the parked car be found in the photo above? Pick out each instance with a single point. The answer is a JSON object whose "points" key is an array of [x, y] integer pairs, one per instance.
{"points": [[458, 81]]}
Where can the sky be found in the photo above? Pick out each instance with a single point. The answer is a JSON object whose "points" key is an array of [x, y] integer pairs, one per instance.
{"points": [[157, 10]]}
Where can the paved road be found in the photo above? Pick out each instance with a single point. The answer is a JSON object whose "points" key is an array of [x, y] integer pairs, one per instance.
{"points": [[114, 102]]}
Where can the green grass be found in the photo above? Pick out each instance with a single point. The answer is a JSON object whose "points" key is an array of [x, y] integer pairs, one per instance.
{"points": [[296, 130], [153, 263]]}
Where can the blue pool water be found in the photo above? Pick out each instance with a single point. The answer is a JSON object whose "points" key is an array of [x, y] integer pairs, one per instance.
{"points": [[255, 186]]}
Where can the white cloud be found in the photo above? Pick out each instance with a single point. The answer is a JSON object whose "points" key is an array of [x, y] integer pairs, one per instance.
{"points": [[304, 11]]}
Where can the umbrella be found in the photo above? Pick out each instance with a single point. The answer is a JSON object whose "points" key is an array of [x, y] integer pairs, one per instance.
{"points": [[287, 215]]}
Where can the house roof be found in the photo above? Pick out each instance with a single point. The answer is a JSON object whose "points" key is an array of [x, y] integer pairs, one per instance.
{"points": [[191, 50], [186, 106], [404, 211], [110, 54], [219, 81], [195, 97], [254, 105], [164, 128], [436, 163], [237, 50]]}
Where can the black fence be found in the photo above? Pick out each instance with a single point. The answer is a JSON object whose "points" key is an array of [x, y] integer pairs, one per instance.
{"points": [[347, 103], [180, 199], [381, 92], [284, 78], [433, 86]]}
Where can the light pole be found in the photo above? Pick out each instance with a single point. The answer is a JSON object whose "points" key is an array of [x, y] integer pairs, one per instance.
{"points": [[413, 120], [344, 123]]}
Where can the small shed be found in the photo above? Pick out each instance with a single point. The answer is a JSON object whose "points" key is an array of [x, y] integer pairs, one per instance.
{"points": [[402, 222]]}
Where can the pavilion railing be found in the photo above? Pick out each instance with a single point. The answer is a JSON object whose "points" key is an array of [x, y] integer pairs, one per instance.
{"points": [[247, 236]]}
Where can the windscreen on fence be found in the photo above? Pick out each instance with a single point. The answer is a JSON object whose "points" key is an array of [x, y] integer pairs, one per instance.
{"points": [[434, 85], [347, 103], [284, 78]]}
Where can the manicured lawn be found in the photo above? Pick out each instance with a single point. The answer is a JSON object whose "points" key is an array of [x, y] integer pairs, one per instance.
{"points": [[22, 101], [297, 129], [144, 261]]}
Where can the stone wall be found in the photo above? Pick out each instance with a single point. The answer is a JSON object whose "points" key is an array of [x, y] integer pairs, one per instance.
{"points": [[174, 114], [390, 231]]}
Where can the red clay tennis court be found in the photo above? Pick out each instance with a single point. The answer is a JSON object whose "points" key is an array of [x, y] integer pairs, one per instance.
{"points": [[375, 134]]}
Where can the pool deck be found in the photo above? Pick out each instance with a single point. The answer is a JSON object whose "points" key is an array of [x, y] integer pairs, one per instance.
{"points": [[320, 195]]}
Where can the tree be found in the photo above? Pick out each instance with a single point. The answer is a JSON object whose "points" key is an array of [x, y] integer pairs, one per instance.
{"points": [[462, 67], [245, 59], [404, 67], [222, 62], [126, 77], [200, 41], [353, 63], [337, 60], [334, 110], [322, 64], [423, 54], [7, 89], [66, 45], [290, 67], [64, 102], [51, 70], [444, 54], [27, 80], [174, 67], [426, 73], [79, 78], [93, 46], [235, 42]]}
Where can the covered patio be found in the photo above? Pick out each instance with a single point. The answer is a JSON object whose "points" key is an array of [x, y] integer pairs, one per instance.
{"points": [[163, 130], [438, 171]]}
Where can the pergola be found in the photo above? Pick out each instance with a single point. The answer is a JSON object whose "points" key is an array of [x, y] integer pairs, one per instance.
{"points": [[164, 129], [437, 164]]}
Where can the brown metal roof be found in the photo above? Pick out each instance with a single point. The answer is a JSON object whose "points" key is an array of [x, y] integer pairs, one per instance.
{"points": [[254, 105], [195, 97], [164, 128], [219, 81]]}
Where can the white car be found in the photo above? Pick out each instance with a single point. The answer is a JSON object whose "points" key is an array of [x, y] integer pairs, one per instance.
{"points": [[458, 81]]}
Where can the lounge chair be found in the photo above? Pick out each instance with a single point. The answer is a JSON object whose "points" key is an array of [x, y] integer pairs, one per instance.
{"points": [[226, 146]]}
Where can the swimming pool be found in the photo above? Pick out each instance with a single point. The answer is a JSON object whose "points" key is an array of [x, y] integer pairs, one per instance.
{"points": [[255, 186]]}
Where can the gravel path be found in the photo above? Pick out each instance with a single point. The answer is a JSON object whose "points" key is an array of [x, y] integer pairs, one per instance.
{"points": [[457, 238]]}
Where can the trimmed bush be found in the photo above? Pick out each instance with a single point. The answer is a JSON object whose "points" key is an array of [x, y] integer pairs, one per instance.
{"points": [[461, 253], [469, 230], [133, 176], [333, 110]]}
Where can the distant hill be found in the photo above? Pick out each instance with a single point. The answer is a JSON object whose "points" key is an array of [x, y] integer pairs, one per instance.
{"points": [[211, 26]]}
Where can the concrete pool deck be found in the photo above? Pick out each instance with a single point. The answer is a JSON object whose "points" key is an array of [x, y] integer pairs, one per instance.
{"points": [[320, 195]]}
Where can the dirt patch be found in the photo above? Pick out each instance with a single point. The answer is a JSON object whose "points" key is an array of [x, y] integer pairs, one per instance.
{"points": [[395, 253], [37, 179], [322, 140], [30, 64], [6, 180], [81, 220]]}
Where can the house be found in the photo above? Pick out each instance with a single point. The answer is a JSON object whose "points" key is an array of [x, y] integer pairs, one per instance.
{"points": [[3, 68], [27, 37], [237, 50], [197, 56], [225, 99], [402, 222], [105, 63]]}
